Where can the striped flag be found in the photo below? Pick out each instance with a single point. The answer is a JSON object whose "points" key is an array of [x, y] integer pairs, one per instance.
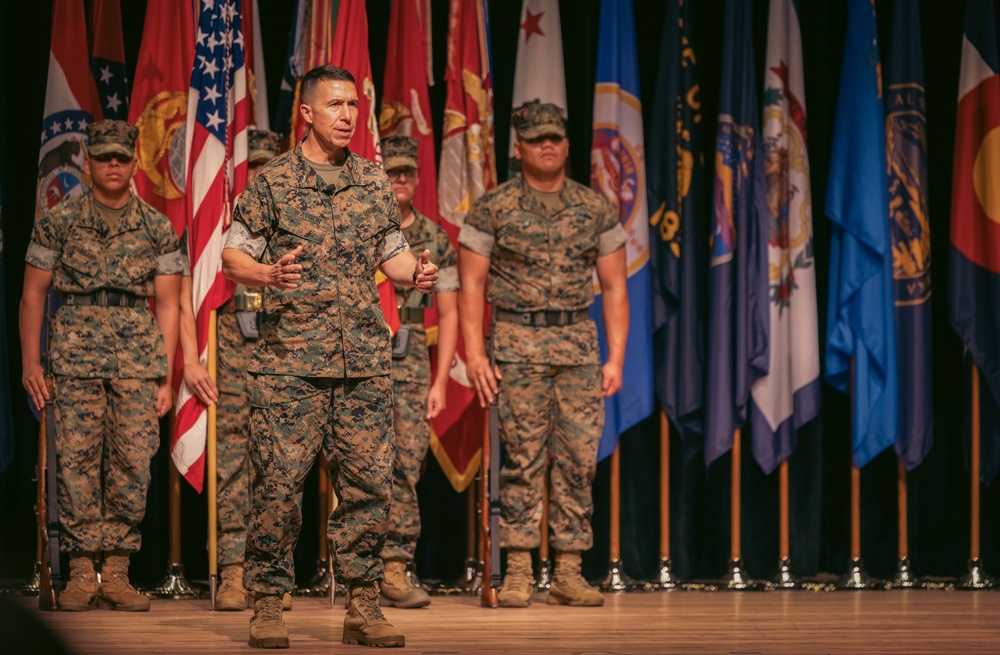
{"points": [[107, 57], [216, 147], [788, 396], [71, 103], [618, 170]]}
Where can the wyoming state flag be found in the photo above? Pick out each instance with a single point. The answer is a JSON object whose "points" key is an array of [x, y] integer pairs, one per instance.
{"points": [[974, 282]]}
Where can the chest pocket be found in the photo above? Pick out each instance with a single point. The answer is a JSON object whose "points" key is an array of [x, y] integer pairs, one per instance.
{"points": [[525, 238], [297, 228], [83, 260]]}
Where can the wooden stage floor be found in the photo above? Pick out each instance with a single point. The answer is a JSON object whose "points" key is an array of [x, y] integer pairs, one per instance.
{"points": [[795, 622]]}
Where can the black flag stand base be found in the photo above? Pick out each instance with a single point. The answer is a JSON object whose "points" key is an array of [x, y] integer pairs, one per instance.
{"points": [[857, 578], [665, 578], [175, 585], [543, 576], [737, 578], [975, 577], [905, 578], [617, 580], [785, 579]]}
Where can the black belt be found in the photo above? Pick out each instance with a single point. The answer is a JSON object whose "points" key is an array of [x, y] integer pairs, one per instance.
{"points": [[104, 298], [242, 302], [543, 318], [411, 315]]}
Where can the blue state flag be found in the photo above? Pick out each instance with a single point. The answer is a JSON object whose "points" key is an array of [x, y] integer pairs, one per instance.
{"points": [[678, 237], [617, 170], [6, 417], [910, 232], [861, 325], [738, 310]]}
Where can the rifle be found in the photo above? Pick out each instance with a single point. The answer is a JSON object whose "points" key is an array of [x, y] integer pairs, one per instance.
{"points": [[490, 481], [46, 503]]}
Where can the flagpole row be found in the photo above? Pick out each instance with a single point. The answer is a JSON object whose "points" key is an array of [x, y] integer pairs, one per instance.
{"points": [[211, 455], [975, 577], [904, 573], [616, 578], [785, 579], [471, 580], [665, 578], [737, 578]]}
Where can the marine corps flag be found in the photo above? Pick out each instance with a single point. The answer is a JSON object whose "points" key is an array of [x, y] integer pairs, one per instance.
{"points": [[71, 103], [788, 396], [678, 237], [974, 278], [910, 231], [861, 325], [350, 51], [159, 107], [468, 169], [107, 57], [738, 314]]}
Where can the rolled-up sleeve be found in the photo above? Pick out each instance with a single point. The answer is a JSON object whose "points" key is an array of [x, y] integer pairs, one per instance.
{"points": [[477, 231], [239, 238], [45, 247], [611, 234], [393, 244]]}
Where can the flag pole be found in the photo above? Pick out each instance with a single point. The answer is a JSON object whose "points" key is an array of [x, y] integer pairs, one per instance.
{"points": [[975, 577], [665, 577], [616, 579], [212, 463], [737, 578], [856, 576], [905, 579], [543, 578], [174, 583], [319, 584], [785, 578], [471, 574], [488, 596]]}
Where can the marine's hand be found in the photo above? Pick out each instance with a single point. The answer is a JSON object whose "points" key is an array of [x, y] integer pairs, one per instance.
{"points": [[33, 379], [437, 399], [285, 273], [427, 273], [200, 382], [611, 379], [485, 378], [164, 398]]}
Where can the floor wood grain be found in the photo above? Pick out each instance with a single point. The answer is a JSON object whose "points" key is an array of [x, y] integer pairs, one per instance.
{"points": [[797, 622]]}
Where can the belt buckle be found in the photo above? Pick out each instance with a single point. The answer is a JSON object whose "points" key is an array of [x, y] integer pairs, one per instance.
{"points": [[101, 298], [254, 301]]}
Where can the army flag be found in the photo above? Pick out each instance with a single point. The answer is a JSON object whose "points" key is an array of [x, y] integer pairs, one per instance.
{"points": [[861, 325], [159, 107], [6, 415], [71, 103], [618, 170], [107, 57], [788, 396], [218, 114], [910, 233], [538, 74], [467, 170], [974, 277], [256, 79], [678, 237], [738, 314]]}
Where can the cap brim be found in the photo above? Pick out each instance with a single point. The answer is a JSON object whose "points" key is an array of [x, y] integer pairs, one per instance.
{"points": [[259, 157], [544, 129], [109, 148], [390, 163]]}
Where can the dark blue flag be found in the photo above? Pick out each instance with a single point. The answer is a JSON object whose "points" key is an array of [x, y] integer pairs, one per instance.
{"points": [[6, 418], [294, 65], [909, 228], [861, 326], [738, 308], [974, 280], [678, 238]]}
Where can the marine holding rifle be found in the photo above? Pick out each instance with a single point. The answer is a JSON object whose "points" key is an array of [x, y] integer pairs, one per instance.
{"points": [[537, 239]]}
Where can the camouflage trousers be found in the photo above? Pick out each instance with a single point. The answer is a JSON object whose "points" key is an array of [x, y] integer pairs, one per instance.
{"points": [[232, 475], [107, 431], [413, 436], [553, 413], [292, 420]]}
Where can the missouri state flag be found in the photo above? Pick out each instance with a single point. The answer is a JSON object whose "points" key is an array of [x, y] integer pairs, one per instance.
{"points": [[974, 280], [107, 57]]}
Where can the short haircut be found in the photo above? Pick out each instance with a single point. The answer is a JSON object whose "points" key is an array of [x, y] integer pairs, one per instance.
{"points": [[320, 74]]}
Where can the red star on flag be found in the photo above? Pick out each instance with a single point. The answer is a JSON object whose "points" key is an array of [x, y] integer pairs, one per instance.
{"points": [[532, 24]]}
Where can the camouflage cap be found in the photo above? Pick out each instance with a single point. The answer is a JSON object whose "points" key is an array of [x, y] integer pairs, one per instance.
{"points": [[399, 152], [110, 136], [534, 119], [263, 146]]}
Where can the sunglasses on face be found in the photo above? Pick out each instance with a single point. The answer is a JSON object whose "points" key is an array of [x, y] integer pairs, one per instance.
{"points": [[106, 158], [397, 173]]}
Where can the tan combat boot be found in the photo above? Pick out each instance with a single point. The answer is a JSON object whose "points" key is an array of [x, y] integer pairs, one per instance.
{"points": [[231, 597], [267, 630], [80, 593], [569, 587], [398, 589], [517, 584], [115, 592], [365, 624]]}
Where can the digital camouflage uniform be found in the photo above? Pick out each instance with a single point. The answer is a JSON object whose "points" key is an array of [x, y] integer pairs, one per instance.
{"points": [[320, 369], [411, 380], [105, 359], [550, 402]]}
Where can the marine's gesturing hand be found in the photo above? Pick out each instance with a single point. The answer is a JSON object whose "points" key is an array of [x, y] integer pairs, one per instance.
{"points": [[285, 273], [425, 275]]}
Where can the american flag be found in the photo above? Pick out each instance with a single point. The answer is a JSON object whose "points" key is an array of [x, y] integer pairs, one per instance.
{"points": [[216, 155]]}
